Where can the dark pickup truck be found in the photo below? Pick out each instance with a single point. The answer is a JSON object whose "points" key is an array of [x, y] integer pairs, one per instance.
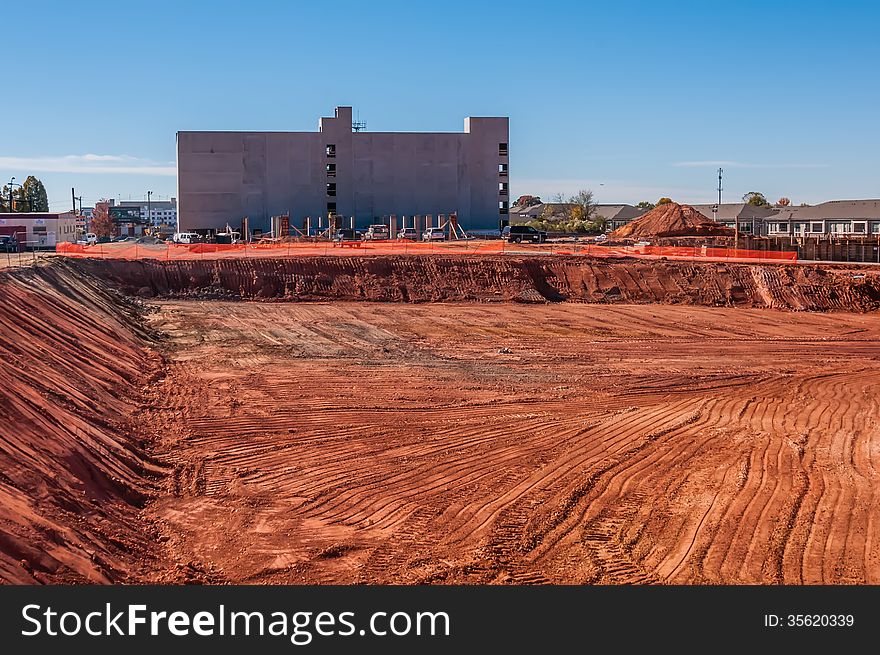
{"points": [[520, 233]]}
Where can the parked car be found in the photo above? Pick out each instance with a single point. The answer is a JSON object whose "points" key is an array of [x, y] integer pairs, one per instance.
{"points": [[346, 234], [104, 240], [434, 234], [185, 237], [520, 233], [377, 232], [8, 243], [88, 239], [408, 233], [123, 237], [601, 238]]}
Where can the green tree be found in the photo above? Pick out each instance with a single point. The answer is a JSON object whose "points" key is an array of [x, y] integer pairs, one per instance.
{"points": [[664, 201], [34, 193], [4, 199], [644, 204], [755, 198]]}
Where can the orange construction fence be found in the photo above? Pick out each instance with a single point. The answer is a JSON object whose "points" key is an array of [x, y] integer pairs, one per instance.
{"points": [[169, 251]]}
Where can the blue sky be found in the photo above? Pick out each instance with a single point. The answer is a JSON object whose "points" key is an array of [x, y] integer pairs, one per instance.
{"points": [[632, 99]]}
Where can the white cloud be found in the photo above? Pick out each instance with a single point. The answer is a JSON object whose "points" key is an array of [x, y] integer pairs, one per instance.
{"points": [[739, 164], [88, 163]]}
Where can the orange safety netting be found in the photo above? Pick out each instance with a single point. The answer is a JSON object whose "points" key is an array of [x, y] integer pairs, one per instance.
{"points": [[169, 251]]}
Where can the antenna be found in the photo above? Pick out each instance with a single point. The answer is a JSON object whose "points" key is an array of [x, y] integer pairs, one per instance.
{"points": [[719, 185], [358, 125]]}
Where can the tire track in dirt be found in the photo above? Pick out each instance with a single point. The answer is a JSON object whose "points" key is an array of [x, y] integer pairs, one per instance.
{"points": [[430, 454]]}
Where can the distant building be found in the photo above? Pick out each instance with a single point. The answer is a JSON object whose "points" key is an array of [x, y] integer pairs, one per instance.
{"points": [[841, 217], [341, 170], [154, 213], [616, 215], [750, 218], [39, 229]]}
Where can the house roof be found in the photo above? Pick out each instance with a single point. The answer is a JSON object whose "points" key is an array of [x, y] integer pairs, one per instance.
{"points": [[608, 211], [735, 210], [833, 209], [622, 212]]}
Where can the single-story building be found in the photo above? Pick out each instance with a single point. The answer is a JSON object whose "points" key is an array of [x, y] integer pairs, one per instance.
{"points": [[41, 229], [749, 219], [615, 214]]}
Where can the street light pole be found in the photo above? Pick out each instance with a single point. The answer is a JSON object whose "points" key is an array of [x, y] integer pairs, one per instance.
{"points": [[149, 212]]}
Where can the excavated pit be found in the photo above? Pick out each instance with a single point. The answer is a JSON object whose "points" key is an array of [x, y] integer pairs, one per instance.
{"points": [[338, 442], [497, 279]]}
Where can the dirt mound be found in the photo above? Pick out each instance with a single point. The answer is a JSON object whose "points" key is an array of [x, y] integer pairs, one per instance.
{"points": [[672, 220], [72, 476], [495, 279]]}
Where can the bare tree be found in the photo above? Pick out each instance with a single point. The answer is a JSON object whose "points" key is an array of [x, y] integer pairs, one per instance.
{"points": [[584, 200]]}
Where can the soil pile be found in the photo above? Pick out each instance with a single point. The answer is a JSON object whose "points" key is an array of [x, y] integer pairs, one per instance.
{"points": [[495, 279], [672, 220], [72, 476]]}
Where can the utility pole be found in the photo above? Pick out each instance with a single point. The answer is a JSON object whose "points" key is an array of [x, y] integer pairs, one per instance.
{"points": [[73, 198], [719, 186], [149, 213]]}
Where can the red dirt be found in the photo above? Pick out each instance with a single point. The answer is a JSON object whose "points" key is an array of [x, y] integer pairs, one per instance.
{"points": [[72, 470], [470, 442], [496, 279], [473, 443], [671, 220]]}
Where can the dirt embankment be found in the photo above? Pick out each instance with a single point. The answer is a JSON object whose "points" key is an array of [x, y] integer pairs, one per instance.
{"points": [[72, 476], [516, 279]]}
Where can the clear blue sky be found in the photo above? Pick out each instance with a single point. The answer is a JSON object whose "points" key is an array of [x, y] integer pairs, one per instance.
{"points": [[632, 99]]}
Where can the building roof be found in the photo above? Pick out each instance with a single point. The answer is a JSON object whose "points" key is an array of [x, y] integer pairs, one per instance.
{"points": [[730, 211], [622, 212], [608, 211], [833, 210], [11, 216]]}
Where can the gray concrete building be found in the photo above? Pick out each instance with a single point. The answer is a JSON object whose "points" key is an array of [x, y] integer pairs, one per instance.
{"points": [[223, 177]]}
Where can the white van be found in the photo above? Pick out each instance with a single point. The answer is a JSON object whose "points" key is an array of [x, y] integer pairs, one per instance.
{"points": [[185, 237], [88, 239]]}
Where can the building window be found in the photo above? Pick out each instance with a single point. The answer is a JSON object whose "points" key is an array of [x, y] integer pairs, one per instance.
{"points": [[331, 188], [331, 170], [875, 227], [503, 207], [502, 150], [331, 207], [502, 170], [816, 227], [502, 188], [859, 228], [331, 150]]}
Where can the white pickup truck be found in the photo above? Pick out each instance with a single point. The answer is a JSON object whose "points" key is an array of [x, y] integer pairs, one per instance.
{"points": [[377, 233]]}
